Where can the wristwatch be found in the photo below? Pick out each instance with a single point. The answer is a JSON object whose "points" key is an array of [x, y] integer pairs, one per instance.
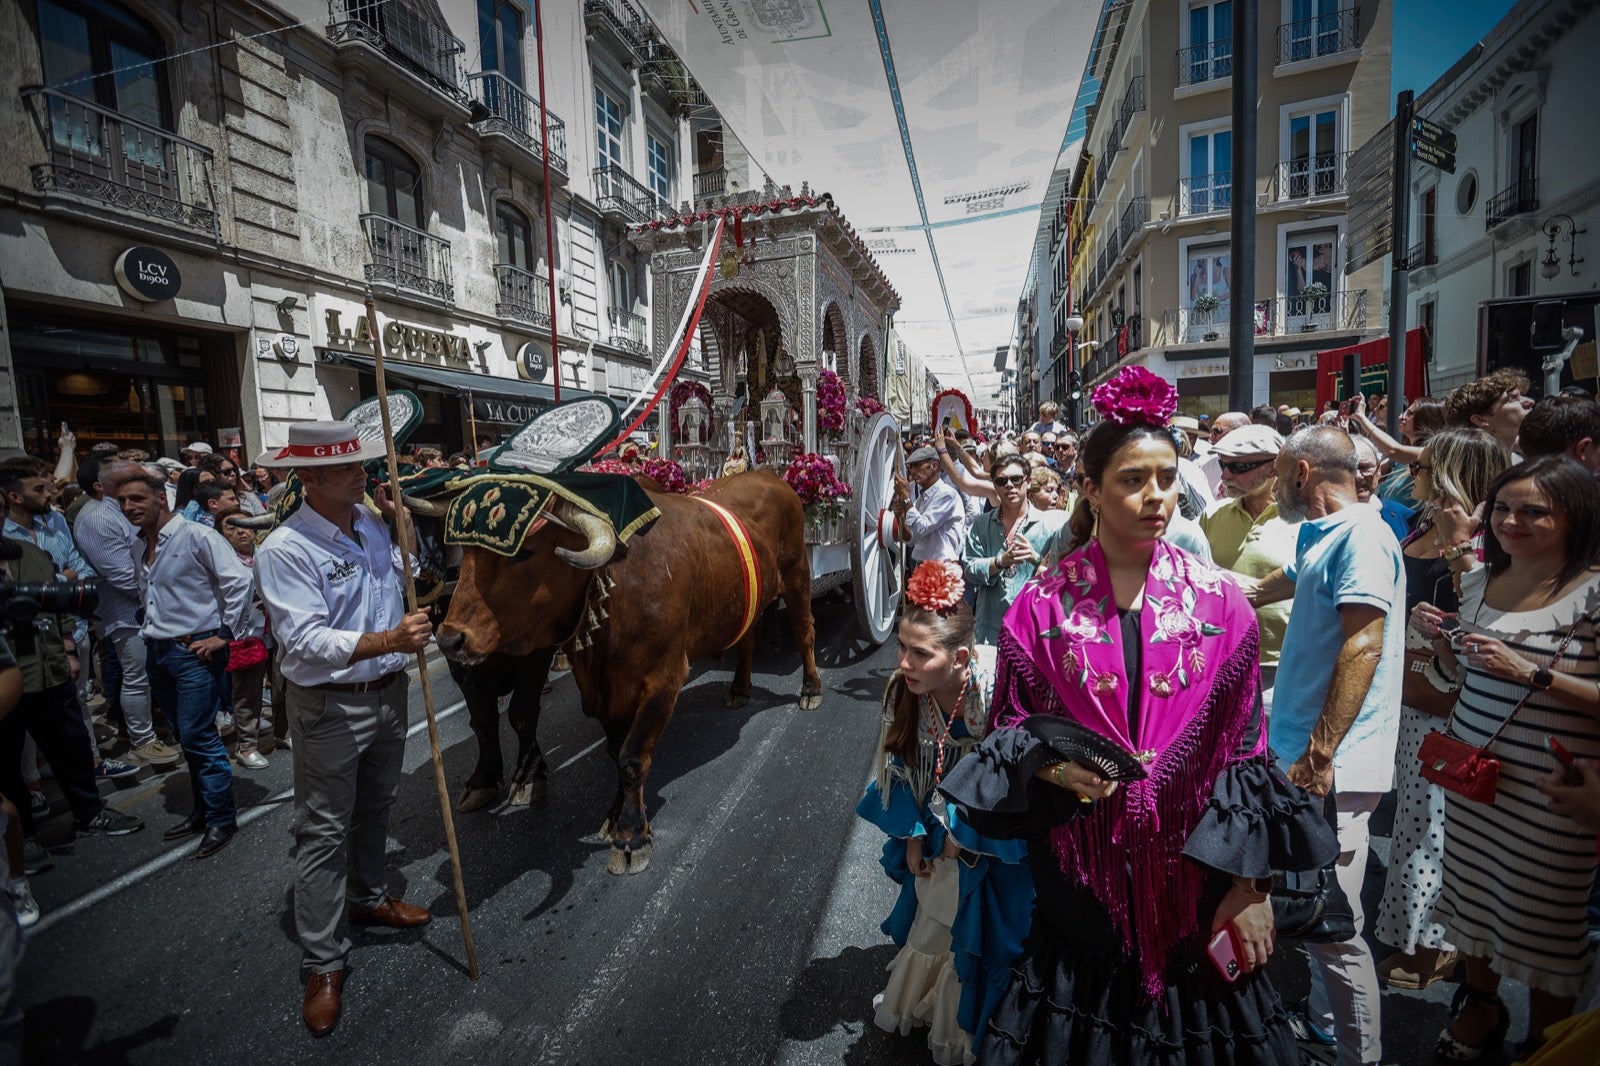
{"points": [[1455, 551], [1542, 678]]}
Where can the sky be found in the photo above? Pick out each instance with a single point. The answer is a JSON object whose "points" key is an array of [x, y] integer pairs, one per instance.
{"points": [[1430, 35]]}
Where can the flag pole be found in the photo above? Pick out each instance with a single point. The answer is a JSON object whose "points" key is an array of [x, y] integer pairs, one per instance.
{"points": [[403, 536]]}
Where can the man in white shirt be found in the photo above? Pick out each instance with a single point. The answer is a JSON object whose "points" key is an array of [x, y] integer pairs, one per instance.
{"points": [[196, 597], [109, 541], [329, 576], [932, 517]]}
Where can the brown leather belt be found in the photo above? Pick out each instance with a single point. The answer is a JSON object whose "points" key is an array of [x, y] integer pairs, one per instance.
{"points": [[358, 687]]}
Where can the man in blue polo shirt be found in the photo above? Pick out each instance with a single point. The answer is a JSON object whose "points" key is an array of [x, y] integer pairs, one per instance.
{"points": [[1337, 706]]}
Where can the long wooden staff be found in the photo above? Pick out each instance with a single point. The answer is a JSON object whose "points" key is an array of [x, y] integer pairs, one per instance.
{"points": [[403, 534]]}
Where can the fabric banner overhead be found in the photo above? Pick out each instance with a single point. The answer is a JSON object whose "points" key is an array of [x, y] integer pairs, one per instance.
{"points": [[949, 204]]}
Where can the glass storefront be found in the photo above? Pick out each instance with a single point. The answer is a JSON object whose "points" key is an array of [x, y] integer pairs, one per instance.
{"points": [[137, 387]]}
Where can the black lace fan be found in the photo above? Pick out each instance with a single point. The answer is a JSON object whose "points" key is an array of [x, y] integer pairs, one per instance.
{"points": [[1073, 740]]}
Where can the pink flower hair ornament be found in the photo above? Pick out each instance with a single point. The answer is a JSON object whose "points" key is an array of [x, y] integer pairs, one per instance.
{"points": [[936, 585], [1136, 396]]}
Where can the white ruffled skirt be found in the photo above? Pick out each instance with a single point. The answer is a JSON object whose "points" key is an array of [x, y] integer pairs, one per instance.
{"points": [[923, 988]]}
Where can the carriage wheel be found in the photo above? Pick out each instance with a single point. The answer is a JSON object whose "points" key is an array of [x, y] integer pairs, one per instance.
{"points": [[876, 559]]}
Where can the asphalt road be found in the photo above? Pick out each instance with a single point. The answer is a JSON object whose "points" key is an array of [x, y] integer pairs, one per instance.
{"points": [[752, 938]]}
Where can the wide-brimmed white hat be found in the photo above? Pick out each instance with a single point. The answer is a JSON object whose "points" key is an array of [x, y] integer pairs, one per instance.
{"points": [[321, 444]]}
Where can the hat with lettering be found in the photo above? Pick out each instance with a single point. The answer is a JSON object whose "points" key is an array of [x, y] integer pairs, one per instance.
{"points": [[321, 444], [1248, 440]]}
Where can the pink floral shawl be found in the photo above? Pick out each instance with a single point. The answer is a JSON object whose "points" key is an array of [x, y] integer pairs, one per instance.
{"points": [[1061, 653]]}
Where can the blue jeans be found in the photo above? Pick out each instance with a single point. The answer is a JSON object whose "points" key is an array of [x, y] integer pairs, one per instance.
{"points": [[186, 689]]}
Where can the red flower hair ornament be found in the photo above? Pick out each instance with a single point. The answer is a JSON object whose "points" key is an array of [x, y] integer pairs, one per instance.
{"points": [[1135, 396], [936, 586]]}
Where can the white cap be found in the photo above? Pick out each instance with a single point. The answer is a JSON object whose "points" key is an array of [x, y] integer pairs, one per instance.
{"points": [[1248, 440], [199, 447]]}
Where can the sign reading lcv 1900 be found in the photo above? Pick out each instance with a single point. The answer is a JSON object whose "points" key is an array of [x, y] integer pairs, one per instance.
{"points": [[147, 274]]}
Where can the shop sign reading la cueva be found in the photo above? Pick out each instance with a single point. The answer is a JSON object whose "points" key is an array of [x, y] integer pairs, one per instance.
{"points": [[399, 340]]}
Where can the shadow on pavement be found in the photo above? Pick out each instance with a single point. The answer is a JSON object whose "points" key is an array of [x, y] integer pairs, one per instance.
{"points": [[53, 1032]]}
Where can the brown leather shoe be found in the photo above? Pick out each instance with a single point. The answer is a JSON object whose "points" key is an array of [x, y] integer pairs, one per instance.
{"points": [[395, 913], [321, 1007]]}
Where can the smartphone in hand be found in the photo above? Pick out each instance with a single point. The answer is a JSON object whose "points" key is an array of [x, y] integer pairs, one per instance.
{"points": [[1227, 954], [1564, 757]]}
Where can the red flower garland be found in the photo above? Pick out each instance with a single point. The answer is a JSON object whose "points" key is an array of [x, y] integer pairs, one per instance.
{"points": [[813, 479], [830, 402]]}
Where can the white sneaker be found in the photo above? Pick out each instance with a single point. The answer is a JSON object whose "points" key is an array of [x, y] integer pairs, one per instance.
{"points": [[23, 903], [224, 724], [253, 759]]}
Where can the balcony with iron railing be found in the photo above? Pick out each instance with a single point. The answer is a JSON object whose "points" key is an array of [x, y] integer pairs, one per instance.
{"points": [[1205, 193], [407, 38], [1282, 316], [407, 261], [626, 23], [1519, 198], [627, 330], [1201, 64], [1310, 178], [1319, 36], [709, 183], [514, 114], [104, 159], [1134, 216], [1132, 104], [624, 199], [1422, 254], [524, 296]]}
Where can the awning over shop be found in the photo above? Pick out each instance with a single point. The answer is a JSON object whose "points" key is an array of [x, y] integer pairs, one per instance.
{"points": [[495, 399]]}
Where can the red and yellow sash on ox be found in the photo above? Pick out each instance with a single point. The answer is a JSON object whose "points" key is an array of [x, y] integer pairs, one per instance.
{"points": [[750, 565]]}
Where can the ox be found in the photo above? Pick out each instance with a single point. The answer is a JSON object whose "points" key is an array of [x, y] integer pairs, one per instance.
{"points": [[678, 592], [482, 685]]}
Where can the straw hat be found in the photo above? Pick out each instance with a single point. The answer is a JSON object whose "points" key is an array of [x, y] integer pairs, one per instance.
{"points": [[321, 444]]}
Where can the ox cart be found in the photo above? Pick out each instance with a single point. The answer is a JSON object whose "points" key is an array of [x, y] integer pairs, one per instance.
{"points": [[795, 340]]}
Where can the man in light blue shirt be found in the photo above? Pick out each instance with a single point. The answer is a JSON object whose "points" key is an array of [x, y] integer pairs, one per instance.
{"points": [[932, 517], [1336, 710], [196, 597]]}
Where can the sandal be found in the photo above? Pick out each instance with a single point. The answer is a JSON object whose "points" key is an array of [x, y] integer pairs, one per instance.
{"points": [[1397, 973], [1452, 1048]]}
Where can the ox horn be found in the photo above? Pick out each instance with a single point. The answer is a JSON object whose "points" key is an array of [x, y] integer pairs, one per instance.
{"points": [[426, 508], [601, 540]]}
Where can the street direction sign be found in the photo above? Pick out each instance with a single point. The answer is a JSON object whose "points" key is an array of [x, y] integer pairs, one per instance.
{"points": [[1424, 151], [1370, 177], [1433, 132]]}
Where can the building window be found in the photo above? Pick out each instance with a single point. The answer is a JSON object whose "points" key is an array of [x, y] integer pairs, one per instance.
{"points": [[1208, 289], [1427, 320], [620, 277], [394, 184], [500, 38], [660, 164], [1210, 42], [1314, 153], [1209, 185], [1467, 193], [609, 120], [1309, 275], [1313, 29], [1519, 279], [103, 53], [514, 237], [1525, 151]]}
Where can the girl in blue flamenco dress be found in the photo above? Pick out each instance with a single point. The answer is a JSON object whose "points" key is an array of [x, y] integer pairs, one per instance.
{"points": [[965, 900]]}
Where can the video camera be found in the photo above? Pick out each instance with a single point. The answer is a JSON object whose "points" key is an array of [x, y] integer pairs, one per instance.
{"points": [[22, 603]]}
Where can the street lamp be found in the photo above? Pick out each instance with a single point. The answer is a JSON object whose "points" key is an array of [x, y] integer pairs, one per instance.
{"points": [[1074, 325]]}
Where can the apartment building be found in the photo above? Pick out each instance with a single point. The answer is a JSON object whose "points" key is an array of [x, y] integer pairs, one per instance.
{"points": [[199, 198], [1504, 239], [1139, 243]]}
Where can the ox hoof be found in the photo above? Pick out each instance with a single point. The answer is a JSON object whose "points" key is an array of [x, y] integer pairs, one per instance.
{"points": [[811, 703], [636, 861], [526, 792], [734, 701], [602, 835], [476, 799]]}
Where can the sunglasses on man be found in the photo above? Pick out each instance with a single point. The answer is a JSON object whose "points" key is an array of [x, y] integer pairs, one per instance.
{"points": [[1010, 480], [1245, 466]]}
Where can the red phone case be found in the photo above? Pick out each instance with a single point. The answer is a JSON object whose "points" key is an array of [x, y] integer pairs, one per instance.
{"points": [[1226, 953], [1564, 757]]}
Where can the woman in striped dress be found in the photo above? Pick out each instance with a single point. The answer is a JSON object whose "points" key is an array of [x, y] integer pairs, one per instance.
{"points": [[1517, 876]]}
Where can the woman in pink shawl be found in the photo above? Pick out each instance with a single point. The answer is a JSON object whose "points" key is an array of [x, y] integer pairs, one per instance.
{"points": [[1153, 650]]}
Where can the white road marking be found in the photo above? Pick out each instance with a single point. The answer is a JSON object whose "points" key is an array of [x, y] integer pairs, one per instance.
{"points": [[161, 862], [580, 755]]}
